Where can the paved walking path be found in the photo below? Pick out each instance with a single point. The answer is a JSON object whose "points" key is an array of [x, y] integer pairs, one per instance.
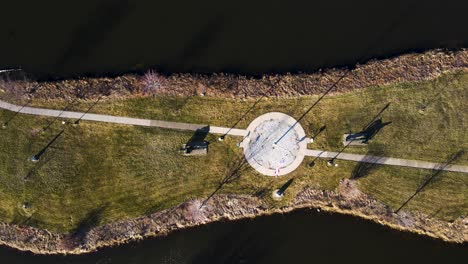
{"points": [[227, 131], [386, 161], [119, 119]]}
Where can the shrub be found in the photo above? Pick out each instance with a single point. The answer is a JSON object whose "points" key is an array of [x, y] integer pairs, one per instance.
{"points": [[152, 82]]}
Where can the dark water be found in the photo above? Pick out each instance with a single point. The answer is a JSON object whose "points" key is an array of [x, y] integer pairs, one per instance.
{"points": [[300, 237], [57, 39], [71, 38]]}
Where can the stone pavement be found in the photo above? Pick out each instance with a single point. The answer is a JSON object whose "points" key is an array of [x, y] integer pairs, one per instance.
{"points": [[265, 153]]}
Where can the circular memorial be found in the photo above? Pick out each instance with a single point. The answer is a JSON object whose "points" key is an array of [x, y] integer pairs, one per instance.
{"points": [[275, 144]]}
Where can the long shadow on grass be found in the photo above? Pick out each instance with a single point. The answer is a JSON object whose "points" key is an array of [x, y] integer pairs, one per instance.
{"points": [[33, 90], [44, 161], [38, 155], [319, 131], [235, 171], [437, 171], [369, 131], [91, 220], [272, 86], [363, 169]]}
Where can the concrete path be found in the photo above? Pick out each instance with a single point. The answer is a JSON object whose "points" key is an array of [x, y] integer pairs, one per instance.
{"points": [[119, 119], [227, 131], [386, 161]]}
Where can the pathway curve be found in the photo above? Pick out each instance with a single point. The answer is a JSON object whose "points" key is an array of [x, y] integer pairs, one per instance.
{"points": [[226, 131]]}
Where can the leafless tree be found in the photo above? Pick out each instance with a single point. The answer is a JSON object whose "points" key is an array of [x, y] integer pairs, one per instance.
{"points": [[152, 82], [195, 212], [13, 89]]}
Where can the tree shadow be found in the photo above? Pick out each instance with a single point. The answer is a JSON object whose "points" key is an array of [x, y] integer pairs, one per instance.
{"points": [[91, 220], [260, 193], [437, 171]]}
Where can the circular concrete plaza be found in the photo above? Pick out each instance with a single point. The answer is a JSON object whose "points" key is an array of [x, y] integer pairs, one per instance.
{"points": [[275, 144]]}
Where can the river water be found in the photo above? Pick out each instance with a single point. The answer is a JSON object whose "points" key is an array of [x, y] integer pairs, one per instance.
{"points": [[59, 39], [303, 236]]}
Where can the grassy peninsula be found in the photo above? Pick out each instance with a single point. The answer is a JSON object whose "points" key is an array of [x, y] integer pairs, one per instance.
{"points": [[112, 172], [100, 184]]}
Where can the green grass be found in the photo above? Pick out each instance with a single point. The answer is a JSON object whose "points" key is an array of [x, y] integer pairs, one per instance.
{"points": [[445, 197], [432, 136], [125, 171]]}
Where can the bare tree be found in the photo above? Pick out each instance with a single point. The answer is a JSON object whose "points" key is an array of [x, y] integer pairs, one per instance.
{"points": [[14, 90], [152, 82], [195, 211]]}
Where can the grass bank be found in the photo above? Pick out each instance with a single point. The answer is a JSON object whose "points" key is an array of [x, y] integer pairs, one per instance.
{"points": [[109, 172]]}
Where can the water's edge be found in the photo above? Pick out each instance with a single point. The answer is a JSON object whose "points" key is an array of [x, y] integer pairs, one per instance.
{"points": [[407, 68], [346, 199]]}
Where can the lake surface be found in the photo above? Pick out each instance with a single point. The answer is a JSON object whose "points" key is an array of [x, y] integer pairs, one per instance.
{"points": [[59, 39], [304, 236]]}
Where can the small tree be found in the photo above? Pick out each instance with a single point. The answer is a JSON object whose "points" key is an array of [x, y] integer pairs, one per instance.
{"points": [[195, 212], [13, 89], [152, 82]]}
